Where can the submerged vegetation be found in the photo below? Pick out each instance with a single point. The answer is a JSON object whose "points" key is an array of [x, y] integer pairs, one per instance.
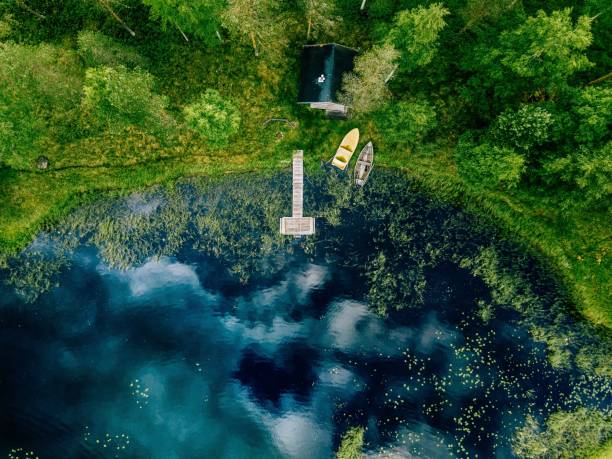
{"points": [[494, 330], [503, 106]]}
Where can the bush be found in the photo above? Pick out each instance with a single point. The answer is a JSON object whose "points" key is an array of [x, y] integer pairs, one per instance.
{"points": [[524, 128], [489, 166], [406, 123], [118, 97], [213, 117]]}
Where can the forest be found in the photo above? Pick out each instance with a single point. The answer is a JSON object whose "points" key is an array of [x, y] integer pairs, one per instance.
{"points": [[501, 106]]}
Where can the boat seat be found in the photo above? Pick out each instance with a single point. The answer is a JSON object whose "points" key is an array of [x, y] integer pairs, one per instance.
{"points": [[342, 158]]}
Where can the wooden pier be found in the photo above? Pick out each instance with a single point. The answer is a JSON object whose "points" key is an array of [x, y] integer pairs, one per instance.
{"points": [[297, 225]]}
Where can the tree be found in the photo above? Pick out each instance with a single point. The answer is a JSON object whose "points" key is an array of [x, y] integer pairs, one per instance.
{"points": [[476, 11], [96, 49], [319, 17], [489, 166], [587, 172], [524, 128], [592, 110], [545, 49], [254, 22], [406, 123], [201, 18], [415, 34], [115, 98], [365, 89], [213, 117]]}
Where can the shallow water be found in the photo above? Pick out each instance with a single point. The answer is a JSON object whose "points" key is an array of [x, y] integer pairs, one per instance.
{"points": [[142, 328]]}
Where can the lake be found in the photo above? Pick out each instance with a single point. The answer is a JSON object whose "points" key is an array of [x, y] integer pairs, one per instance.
{"points": [[177, 323]]}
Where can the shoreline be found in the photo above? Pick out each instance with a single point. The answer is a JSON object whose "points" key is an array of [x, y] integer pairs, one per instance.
{"points": [[533, 236]]}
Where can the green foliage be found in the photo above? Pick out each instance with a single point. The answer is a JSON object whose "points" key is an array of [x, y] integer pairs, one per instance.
{"points": [[567, 435], [38, 87], [213, 117], [254, 22], [596, 358], [524, 128], [588, 174], [320, 17], [485, 311], [201, 18], [477, 11], [489, 166], [365, 89], [415, 34], [546, 49], [406, 123], [351, 444], [114, 98], [96, 49], [34, 274], [557, 344], [7, 23], [592, 108]]}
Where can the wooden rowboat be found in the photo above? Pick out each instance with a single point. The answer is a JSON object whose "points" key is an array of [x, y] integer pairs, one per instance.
{"points": [[346, 149], [364, 165]]}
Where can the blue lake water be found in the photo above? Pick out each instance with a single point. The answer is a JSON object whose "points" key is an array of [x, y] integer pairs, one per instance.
{"points": [[234, 343]]}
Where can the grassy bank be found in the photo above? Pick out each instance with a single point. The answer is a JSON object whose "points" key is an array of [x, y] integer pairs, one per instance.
{"points": [[574, 247]]}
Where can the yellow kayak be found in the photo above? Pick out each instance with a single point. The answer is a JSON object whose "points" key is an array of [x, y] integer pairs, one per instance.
{"points": [[347, 147]]}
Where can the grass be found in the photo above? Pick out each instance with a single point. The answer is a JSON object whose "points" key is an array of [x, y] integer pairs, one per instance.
{"points": [[576, 248]]}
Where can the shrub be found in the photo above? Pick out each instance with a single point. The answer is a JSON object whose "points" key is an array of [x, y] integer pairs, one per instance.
{"points": [[489, 166], [118, 97], [213, 117], [524, 128], [406, 123]]}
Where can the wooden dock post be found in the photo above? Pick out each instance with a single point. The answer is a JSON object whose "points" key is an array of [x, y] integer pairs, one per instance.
{"points": [[297, 225]]}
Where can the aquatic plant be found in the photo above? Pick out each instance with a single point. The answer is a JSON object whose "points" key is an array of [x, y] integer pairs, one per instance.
{"points": [[351, 444]]}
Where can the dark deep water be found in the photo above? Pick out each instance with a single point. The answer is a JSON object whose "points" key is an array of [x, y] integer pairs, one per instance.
{"points": [[176, 323]]}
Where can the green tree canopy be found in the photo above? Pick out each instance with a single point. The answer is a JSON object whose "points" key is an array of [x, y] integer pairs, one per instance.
{"points": [[524, 128], [118, 97], [199, 17], [255, 22], [320, 17], [545, 49], [365, 89], [415, 34], [213, 117]]}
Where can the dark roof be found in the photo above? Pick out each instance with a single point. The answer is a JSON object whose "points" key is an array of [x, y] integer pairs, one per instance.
{"points": [[329, 61]]}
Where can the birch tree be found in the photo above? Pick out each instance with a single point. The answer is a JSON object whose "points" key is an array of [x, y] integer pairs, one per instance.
{"points": [[365, 89], [201, 18], [254, 22], [320, 17]]}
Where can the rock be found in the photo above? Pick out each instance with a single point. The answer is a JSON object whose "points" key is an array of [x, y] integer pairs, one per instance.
{"points": [[42, 162]]}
